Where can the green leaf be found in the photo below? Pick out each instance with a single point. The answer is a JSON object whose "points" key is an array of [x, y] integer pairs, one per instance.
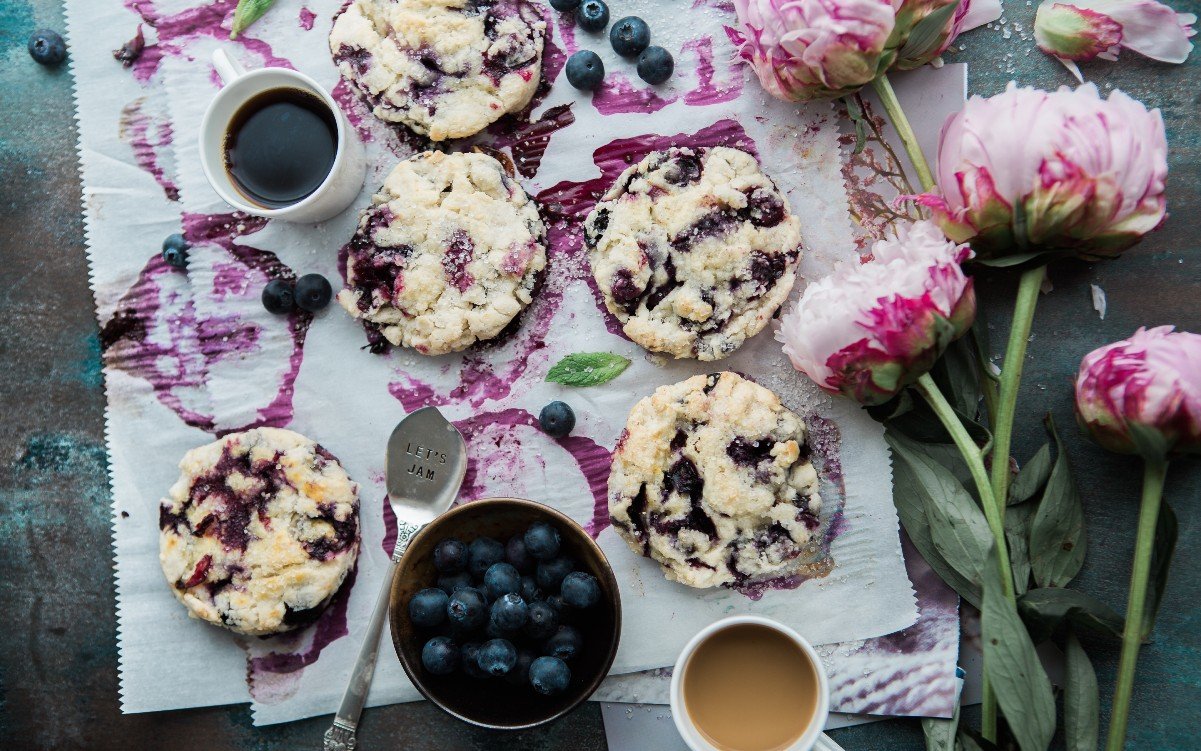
{"points": [[909, 495], [1080, 703], [247, 12], [587, 369], [958, 528], [956, 376], [1032, 476], [1045, 609], [970, 740], [1013, 259], [1166, 532], [940, 734], [1057, 539], [855, 113], [927, 34], [1012, 667], [1019, 562]]}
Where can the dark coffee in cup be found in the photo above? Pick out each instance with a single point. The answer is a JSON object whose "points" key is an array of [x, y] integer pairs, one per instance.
{"points": [[280, 146]]}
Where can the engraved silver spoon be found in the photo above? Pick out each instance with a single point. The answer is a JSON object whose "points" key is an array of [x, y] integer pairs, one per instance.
{"points": [[426, 462]]}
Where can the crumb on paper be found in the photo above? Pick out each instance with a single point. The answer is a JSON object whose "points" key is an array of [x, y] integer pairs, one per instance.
{"points": [[1099, 302]]}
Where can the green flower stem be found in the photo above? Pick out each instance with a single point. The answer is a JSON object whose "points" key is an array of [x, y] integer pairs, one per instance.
{"points": [[1011, 378], [1132, 635], [892, 106], [993, 513]]}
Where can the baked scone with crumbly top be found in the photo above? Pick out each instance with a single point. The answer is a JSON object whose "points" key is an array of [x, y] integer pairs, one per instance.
{"points": [[712, 480], [445, 68], [259, 531], [447, 255], [694, 250]]}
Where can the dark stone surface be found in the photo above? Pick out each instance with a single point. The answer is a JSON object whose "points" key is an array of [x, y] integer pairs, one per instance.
{"points": [[58, 674]]}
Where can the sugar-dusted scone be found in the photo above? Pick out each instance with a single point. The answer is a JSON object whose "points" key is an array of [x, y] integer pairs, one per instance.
{"points": [[694, 250], [445, 68], [259, 531], [447, 254], [712, 480]]}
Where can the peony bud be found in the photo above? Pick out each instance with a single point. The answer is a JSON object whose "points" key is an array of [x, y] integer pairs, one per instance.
{"points": [[870, 329], [1143, 395], [823, 49], [1027, 173], [1082, 30]]}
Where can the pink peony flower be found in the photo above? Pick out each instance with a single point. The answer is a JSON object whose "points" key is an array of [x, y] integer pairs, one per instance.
{"points": [[823, 49], [1143, 395], [1026, 173], [1079, 30], [870, 329]]}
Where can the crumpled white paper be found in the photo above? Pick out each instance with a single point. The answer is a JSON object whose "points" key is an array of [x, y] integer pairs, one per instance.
{"points": [[187, 355]]}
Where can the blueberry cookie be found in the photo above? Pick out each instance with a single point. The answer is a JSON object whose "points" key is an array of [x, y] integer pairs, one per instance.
{"points": [[712, 480], [694, 251], [259, 531], [445, 68], [447, 254]]}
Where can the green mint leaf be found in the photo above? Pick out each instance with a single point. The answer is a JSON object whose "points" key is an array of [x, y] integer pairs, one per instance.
{"points": [[247, 12], [587, 369]]}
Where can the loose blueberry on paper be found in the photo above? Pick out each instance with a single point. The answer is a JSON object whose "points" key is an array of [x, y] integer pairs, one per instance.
{"points": [[556, 419], [585, 70], [655, 65], [593, 15], [503, 623], [279, 296], [175, 251], [565, 6], [630, 36], [47, 47], [313, 292]]}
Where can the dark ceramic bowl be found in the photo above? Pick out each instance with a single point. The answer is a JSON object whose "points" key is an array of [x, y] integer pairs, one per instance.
{"points": [[494, 703]]}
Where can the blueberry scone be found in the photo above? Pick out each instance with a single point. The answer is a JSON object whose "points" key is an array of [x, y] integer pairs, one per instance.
{"points": [[694, 250], [445, 68], [712, 480], [259, 531], [447, 254]]}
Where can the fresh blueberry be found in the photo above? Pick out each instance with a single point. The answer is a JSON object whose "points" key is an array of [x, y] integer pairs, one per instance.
{"points": [[313, 292], [564, 644], [175, 251], [655, 65], [520, 674], [440, 656], [593, 15], [541, 620], [585, 70], [542, 541], [450, 555], [529, 589], [550, 573], [278, 296], [509, 612], [565, 6], [466, 608], [560, 607], [501, 579], [469, 660], [46, 47], [497, 657], [482, 553], [556, 420], [427, 608], [517, 556], [630, 36], [580, 590], [549, 675], [448, 583]]}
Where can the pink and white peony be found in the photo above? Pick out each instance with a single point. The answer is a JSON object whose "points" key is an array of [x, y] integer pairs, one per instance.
{"points": [[1079, 30], [870, 329], [1028, 173], [1143, 395], [823, 49]]}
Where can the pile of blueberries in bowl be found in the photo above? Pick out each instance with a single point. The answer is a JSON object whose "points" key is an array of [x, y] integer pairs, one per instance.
{"points": [[505, 610]]}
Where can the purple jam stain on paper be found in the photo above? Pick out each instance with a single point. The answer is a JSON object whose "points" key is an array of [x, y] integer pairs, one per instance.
{"points": [[616, 95], [307, 18], [147, 136], [299, 649], [528, 141], [825, 442], [707, 91], [176, 30], [566, 204]]}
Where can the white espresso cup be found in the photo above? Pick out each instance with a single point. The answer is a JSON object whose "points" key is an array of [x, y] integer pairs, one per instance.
{"points": [[340, 187], [811, 738]]}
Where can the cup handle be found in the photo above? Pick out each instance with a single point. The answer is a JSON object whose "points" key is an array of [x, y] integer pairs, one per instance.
{"points": [[227, 68]]}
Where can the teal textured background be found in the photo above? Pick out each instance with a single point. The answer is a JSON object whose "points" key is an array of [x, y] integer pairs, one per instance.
{"points": [[58, 674]]}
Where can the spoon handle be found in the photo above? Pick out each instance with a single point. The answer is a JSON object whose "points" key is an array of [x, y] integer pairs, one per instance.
{"points": [[341, 735]]}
